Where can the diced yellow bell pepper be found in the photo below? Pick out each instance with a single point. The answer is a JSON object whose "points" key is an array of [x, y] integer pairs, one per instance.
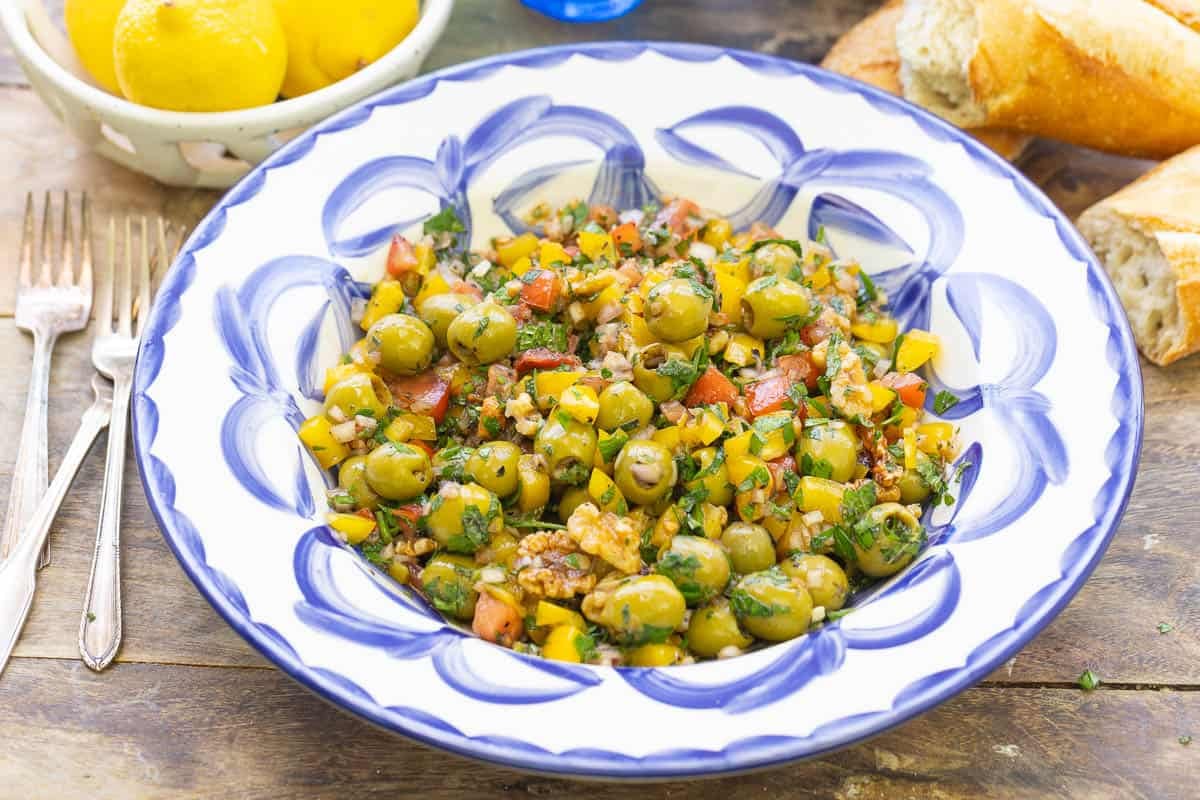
{"points": [[360, 352], [340, 372], [596, 245], [821, 494], [608, 296], [354, 528], [739, 269], [655, 655], [606, 494], [639, 331], [580, 402], [744, 350], [935, 437], [550, 385], [881, 397], [317, 436], [552, 252], [860, 471], [534, 491], [918, 347], [690, 346], [399, 572], [431, 284], [426, 259], [776, 442], [561, 644], [388, 298], [816, 407], [742, 240], [651, 279], [910, 448], [703, 428], [455, 375], [743, 467], [669, 437], [819, 279], [399, 430], [732, 279], [738, 446], [420, 426], [717, 232], [907, 419], [516, 248], [881, 331], [521, 266], [549, 614]]}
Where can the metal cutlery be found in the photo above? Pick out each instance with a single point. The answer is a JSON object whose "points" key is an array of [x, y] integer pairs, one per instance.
{"points": [[47, 306]]}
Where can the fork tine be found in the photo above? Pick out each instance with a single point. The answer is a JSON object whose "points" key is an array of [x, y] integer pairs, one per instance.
{"points": [[106, 282], [85, 244], [125, 296], [143, 298], [66, 273], [44, 279], [25, 276]]}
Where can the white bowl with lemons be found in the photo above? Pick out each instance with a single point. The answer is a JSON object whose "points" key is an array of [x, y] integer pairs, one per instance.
{"points": [[236, 54]]}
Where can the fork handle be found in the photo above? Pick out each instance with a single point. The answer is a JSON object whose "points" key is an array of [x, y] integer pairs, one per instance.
{"points": [[30, 473], [100, 625]]}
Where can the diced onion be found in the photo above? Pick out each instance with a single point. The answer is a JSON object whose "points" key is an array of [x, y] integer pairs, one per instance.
{"points": [[336, 414], [344, 431], [705, 252], [491, 575]]}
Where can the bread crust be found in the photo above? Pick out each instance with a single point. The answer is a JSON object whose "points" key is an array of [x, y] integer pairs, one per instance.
{"points": [[868, 52], [1117, 75], [1164, 205]]}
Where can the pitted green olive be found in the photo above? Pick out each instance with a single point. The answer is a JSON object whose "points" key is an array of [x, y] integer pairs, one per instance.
{"points": [[713, 475], [771, 605], [654, 367], [624, 405], [772, 305], [645, 472], [403, 344], [775, 259], [913, 488], [714, 627], [822, 576], [572, 499], [398, 471], [750, 547], [462, 518], [360, 393], [439, 310], [449, 583], [352, 479], [482, 334], [833, 444], [494, 465], [677, 309], [890, 542], [645, 608], [569, 447], [699, 567]]}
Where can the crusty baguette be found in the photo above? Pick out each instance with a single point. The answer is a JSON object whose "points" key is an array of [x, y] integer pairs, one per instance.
{"points": [[1148, 237], [1117, 75], [868, 52]]}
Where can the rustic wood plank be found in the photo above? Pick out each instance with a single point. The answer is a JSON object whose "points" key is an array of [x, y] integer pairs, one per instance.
{"points": [[148, 730]]}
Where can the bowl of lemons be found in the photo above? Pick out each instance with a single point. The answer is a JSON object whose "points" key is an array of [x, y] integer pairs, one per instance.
{"points": [[196, 92]]}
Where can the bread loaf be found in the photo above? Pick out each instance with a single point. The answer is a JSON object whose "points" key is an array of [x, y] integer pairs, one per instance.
{"points": [[1118, 75], [1148, 237]]}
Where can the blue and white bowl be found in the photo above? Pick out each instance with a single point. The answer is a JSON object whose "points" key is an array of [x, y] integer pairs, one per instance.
{"points": [[1035, 344]]}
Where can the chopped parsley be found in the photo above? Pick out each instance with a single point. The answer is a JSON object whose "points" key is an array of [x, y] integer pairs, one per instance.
{"points": [[1088, 680], [1165, 627], [612, 445], [445, 221], [943, 401], [551, 335], [817, 467], [474, 532], [796, 247]]}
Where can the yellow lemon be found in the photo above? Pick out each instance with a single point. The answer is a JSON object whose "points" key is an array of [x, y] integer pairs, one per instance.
{"points": [[90, 25], [329, 40], [200, 55]]}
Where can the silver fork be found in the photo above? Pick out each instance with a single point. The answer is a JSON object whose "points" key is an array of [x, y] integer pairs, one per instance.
{"points": [[114, 351], [46, 307]]}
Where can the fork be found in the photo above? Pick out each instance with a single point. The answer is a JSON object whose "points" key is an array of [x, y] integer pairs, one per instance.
{"points": [[114, 351], [46, 307]]}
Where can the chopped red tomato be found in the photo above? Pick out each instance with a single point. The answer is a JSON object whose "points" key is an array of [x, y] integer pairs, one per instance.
{"points": [[799, 368], [780, 467], [543, 358], [406, 517], [542, 292], [677, 216], [909, 386], [422, 394], [627, 239], [426, 446], [402, 258], [767, 394], [462, 287], [814, 334], [711, 387]]}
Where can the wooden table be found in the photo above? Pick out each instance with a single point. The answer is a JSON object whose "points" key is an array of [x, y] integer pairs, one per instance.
{"points": [[191, 710]]}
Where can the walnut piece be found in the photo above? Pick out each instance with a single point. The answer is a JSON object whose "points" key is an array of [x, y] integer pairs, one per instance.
{"points": [[604, 534], [549, 564]]}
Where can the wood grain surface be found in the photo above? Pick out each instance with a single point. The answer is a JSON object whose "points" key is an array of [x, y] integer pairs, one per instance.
{"points": [[191, 710]]}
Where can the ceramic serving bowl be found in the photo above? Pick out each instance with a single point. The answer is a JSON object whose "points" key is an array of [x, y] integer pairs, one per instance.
{"points": [[259, 301]]}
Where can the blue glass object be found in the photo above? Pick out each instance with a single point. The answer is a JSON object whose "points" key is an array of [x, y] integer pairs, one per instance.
{"points": [[583, 10]]}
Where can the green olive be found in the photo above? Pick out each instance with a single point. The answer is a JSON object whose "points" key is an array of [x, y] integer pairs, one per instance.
{"points": [[750, 547], [652, 374], [776, 259], [352, 478], [645, 608], [677, 309], [822, 576], [360, 393], [771, 605], [572, 499], [462, 518], [834, 444], [449, 583], [482, 334], [715, 627], [699, 567], [644, 471], [569, 447], [623, 404], [913, 488], [494, 467], [439, 310], [402, 342], [772, 305], [398, 471], [894, 537], [713, 475]]}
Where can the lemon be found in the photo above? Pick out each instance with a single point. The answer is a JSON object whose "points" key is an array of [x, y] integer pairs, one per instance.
{"points": [[90, 25], [200, 55], [329, 40]]}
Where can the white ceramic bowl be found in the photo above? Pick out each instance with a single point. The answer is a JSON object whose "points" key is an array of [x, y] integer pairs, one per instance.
{"points": [[1035, 345], [192, 149]]}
